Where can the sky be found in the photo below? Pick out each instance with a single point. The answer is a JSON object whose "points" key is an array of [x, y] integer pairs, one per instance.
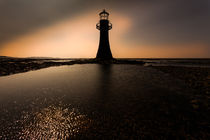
{"points": [[141, 28]]}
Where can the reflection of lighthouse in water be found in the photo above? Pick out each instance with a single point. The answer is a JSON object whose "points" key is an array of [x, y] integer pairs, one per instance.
{"points": [[104, 26]]}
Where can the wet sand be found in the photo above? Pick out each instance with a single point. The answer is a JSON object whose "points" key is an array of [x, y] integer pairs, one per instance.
{"points": [[106, 101], [196, 78]]}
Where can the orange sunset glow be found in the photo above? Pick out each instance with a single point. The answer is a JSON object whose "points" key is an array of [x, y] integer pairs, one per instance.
{"points": [[78, 38]]}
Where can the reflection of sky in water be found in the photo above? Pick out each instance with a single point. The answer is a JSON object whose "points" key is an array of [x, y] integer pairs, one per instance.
{"points": [[74, 101], [38, 104], [67, 101], [54, 102]]}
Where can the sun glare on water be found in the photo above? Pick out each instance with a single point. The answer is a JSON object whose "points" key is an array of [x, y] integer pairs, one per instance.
{"points": [[53, 123]]}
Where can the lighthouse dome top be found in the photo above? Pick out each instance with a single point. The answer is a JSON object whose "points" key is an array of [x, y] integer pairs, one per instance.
{"points": [[104, 15], [104, 12]]}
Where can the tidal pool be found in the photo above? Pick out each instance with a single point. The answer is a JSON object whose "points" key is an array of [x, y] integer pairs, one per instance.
{"points": [[86, 101]]}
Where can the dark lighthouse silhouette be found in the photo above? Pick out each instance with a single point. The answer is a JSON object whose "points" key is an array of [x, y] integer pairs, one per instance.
{"points": [[104, 51]]}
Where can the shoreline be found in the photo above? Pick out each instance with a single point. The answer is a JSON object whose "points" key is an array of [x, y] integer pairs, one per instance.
{"points": [[197, 78], [9, 66]]}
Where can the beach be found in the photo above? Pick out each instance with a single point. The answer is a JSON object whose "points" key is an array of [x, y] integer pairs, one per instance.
{"points": [[85, 99]]}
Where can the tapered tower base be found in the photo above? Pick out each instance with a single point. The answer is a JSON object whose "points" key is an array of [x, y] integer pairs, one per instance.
{"points": [[104, 51]]}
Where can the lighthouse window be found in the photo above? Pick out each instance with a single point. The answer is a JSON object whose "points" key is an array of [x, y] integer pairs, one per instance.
{"points": [[104, 16]]}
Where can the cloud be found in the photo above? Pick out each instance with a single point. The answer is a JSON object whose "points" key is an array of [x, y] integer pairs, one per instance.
{"points": [[22, 16], [172, 22]]}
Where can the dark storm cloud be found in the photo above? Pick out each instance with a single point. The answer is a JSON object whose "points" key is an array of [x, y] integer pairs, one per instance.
{"points": [[154, 21], [175, 21]]}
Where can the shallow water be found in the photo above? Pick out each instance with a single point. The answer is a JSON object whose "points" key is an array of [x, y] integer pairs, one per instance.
{"points": [[70, 101]]}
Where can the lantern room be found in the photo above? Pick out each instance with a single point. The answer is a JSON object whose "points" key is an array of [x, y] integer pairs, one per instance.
{"points": [[104, 15]]}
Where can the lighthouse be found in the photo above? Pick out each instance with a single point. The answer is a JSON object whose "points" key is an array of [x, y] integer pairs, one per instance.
{"points": [[104, 51]]}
